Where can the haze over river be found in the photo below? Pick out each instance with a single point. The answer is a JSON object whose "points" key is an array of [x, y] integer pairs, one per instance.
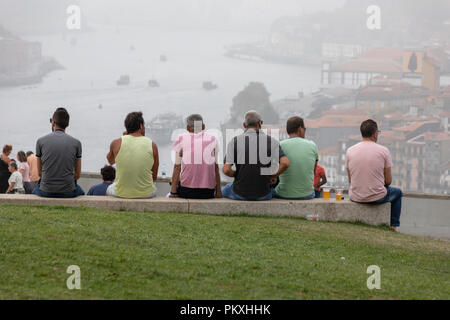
{"points": [[95, 62]]}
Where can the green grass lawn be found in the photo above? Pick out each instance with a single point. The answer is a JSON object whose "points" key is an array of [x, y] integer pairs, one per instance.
{"points": [[127, 255]]}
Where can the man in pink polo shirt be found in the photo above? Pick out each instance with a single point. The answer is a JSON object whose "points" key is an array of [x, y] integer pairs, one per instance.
{"points": [[369, 172], [196, 172]]}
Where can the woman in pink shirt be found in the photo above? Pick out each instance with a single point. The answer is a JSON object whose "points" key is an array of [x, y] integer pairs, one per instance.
{"points": [[24, 169]]}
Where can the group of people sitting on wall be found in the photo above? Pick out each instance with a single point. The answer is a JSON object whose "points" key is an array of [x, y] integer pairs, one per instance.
{"points": [[262, 167], [17, 176]]}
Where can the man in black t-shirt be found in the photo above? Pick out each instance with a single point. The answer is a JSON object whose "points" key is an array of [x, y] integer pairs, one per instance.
{"points": [[258, 160]]}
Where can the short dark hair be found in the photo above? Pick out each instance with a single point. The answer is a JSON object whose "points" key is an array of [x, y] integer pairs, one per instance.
{"points": [[293, 124], [192, 119], [108, 173], [29, 153], [13, 164], [7, 148], [21, 156], [368, 128], [61, 118], [133, 121]]}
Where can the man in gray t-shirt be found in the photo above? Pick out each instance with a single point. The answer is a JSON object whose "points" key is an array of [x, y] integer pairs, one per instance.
{"points": [[58, 160]]}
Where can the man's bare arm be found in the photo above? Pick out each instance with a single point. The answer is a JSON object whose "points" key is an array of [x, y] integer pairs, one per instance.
{"points": [[227, 170], [77, 168], [155, 161], [11, 187], [39, 166], [284, 165], [111, 156], [218, 183], [349, 177], [323, 179], [175, 177], [387, 176]]}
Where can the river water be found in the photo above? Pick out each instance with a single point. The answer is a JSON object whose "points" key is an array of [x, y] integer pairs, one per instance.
{"points": [[94, 63]]}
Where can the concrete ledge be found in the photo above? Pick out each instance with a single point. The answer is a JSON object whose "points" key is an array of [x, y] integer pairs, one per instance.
{"points": [[325, 210], [104, 203]]}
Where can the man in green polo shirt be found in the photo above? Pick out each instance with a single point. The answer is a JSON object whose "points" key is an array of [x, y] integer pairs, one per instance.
{"points": [[297, 182]]}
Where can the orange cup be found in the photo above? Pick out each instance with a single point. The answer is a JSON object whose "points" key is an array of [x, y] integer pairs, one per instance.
{"points": [[339, 195], [326, 193]]}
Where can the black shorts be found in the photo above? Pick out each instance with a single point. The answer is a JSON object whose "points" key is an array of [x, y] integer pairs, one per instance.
{"points": [[195, 193]]}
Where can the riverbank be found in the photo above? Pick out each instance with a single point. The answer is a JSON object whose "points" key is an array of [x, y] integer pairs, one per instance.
{"points": [[35, 75]]}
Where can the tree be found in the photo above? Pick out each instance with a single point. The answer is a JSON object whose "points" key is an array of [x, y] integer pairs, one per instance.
{"points": [[254, 97], [412, 65]]}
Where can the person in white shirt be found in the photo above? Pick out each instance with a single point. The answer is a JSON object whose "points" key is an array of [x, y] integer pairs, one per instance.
{"points": [[15, 180]]}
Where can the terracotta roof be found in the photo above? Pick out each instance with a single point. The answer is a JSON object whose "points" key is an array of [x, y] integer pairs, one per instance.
{"points": [[383, 53], [335, 121], [383, 60], [338, 118], [412, 126], [389, 135], [394, 116]]}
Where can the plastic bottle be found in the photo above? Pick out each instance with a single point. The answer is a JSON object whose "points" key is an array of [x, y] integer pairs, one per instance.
{"points": [[163, 171]]}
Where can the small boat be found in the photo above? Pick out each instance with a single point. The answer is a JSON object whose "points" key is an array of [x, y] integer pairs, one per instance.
{"points": [[124, 80], [160, 128], [208, 86], [153, 83]]}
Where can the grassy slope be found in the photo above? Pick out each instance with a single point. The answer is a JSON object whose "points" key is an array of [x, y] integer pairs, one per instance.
{"points": [[127, 255]]}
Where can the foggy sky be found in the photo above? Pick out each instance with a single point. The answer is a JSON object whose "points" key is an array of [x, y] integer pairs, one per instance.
{"points": [[43, 16]]}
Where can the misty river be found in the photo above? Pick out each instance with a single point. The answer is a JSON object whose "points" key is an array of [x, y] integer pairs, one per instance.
{"points": [[95, 60]]}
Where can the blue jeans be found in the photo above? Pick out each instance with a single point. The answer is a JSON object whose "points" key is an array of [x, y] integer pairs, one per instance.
{"points": [[311, 196], [316, 194], [227, 192], [73, 194], [394, 196]]}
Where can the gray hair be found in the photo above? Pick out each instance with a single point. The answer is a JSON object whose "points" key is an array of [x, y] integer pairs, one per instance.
{"points": [[195, 122], [252, 118]]}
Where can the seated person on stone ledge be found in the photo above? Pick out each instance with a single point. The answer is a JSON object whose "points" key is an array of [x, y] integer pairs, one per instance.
{"points": [[196, 172], [58, 160], [297, 182], [369, 172], [108, 175], [136, 158], [258, 159], [15, 180]]}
